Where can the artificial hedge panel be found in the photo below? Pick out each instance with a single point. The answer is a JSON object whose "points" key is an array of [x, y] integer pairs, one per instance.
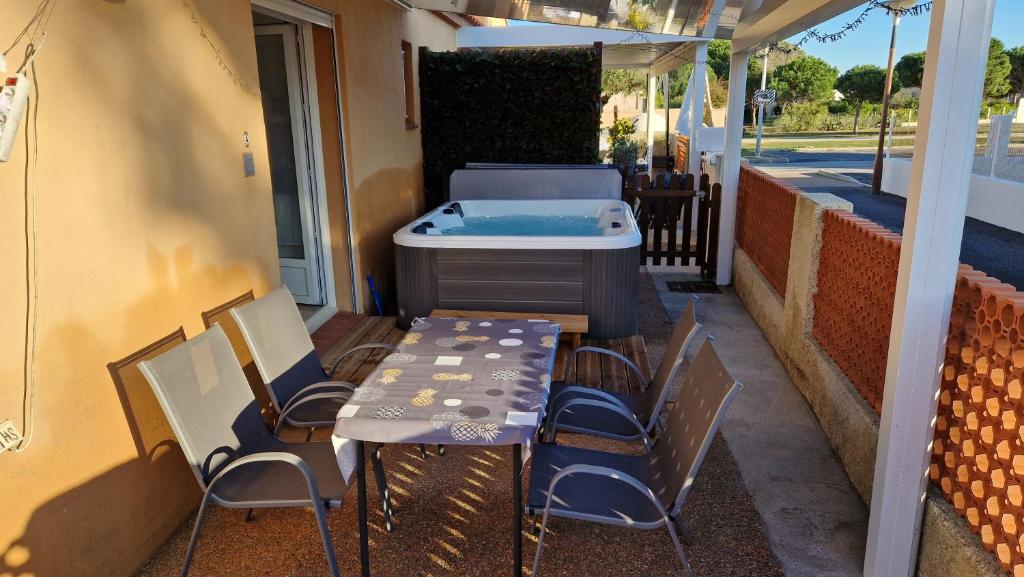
{"points": [[527, 106]]}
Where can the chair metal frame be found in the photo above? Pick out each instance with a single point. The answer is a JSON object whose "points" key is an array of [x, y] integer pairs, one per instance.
{"points": [[566, 397], [670, 518], [208, 485]]}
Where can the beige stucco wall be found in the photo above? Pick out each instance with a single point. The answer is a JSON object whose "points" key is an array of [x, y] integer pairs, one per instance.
{"points": [[145, 219], [385, 160]]}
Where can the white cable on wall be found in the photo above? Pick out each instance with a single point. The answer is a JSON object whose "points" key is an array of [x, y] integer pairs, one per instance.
{"points": [[35, 32]]}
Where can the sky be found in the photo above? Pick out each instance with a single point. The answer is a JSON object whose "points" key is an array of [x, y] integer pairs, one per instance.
{"points": [[869, 44]]}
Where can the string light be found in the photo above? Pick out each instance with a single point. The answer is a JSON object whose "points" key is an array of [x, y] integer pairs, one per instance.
{"points": [[854, 24]]}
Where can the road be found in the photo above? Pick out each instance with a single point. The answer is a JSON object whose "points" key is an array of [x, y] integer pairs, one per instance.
{"points": [[997, 251]]}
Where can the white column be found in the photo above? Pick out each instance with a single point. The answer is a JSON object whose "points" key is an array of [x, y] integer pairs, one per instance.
{"points": [[730, 168], [652, 89], [936, 205], [700, 60]]}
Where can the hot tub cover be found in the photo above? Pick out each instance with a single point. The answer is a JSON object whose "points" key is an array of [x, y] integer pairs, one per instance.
{"points": [[535, 182]]}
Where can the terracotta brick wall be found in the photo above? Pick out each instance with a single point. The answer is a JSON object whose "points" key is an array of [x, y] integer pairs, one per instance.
{"points": [[978, 455], [764, 224], [857, 269], [682, 151]]}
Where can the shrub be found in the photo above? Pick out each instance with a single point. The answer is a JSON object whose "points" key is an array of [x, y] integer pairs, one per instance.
{"points": [[802, 117], [620, 131]]}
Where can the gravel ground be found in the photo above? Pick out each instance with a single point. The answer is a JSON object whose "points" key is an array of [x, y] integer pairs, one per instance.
{"points": [[453, 517]]}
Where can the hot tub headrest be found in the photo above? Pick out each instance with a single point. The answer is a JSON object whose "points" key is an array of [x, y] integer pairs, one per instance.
{"points": [[534, 181]]}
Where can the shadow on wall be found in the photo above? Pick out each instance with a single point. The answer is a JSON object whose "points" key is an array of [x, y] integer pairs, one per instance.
{"points": [[44, 547], [377, 221], [113, 522], [177, 145]]}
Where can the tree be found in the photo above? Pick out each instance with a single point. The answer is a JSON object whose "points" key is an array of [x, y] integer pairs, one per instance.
{"points": [[997, 72], [910, 69], [719, 57], [623, 81], [864, 83], [803, 79], [1016, 56]]}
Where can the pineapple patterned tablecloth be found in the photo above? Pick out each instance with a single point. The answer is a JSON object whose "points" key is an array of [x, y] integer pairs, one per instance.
{"points": [[454, 381]]}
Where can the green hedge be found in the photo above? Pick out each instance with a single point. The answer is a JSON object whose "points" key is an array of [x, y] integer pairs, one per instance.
{"points": [[535, 106]]}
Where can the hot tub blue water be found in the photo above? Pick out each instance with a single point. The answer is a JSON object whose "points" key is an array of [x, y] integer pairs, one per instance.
{"points": [[527, 225]]}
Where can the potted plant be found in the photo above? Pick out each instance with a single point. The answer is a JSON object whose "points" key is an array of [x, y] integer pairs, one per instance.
{"points": [[624, 155], [623, 150]]}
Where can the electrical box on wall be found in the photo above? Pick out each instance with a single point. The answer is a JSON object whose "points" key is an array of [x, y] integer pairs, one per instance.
{"points": [[13, 99]]}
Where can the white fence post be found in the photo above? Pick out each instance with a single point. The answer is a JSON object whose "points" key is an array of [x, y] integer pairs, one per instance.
{"points": [[998, 146], [652, 89], [730, 164], [958, 41], [892, 129], [699, 77]]}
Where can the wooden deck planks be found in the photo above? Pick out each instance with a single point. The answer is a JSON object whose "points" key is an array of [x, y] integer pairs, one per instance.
{"points": [[373, 330]]}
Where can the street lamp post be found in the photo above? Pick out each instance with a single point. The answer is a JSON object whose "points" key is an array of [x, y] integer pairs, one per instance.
{"points": [[760, 108], [876, 180]]}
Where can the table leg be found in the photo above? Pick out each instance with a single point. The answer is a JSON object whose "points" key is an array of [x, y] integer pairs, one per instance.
{"points": [[517, 510], [364, 537]]}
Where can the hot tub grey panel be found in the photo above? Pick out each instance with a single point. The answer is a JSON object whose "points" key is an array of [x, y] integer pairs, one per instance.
{"points": [[602, 284]]}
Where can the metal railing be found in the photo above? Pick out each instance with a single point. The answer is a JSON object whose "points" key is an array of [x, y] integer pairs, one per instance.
{"points": [[998, 146]]}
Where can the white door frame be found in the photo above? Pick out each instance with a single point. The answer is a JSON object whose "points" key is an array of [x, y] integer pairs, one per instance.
{"points": [[305, 163], [304, 16]]}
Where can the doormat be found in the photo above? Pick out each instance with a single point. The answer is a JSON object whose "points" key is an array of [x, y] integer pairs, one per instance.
{"points": [[693, 286]]}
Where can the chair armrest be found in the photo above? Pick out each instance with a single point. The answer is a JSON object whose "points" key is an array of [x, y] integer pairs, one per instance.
{"points": [[617, 408], [303, 401], [270, 456], [336, 387], [607, 352], [367, 346], [581, 469], [575, 391]]}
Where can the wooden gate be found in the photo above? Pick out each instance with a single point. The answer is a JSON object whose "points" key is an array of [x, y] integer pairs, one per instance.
{"points": [[664, 211]]}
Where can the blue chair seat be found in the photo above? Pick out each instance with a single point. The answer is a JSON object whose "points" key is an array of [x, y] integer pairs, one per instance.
{"points": [[584, 419], [590, 497]]}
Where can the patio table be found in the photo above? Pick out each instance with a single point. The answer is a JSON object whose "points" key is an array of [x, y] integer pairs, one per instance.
{"points": [[453, 381]]}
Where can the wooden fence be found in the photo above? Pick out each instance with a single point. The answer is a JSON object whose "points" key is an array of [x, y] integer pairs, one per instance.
{"points": [[661, 205]]}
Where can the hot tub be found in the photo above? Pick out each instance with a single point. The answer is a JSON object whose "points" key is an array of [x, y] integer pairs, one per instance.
{"points": [[575, 256]]}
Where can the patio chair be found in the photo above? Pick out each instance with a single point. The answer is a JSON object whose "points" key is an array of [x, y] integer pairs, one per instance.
{"points": [[221, 314], [300, 389], [620, 416], [640, 491], [236, 460]]}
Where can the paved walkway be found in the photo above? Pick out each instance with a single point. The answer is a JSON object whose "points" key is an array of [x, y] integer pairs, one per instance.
{"points": [[815, 521], [995, 250]]}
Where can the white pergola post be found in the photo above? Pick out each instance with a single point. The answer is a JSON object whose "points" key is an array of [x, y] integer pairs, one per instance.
{"points": [[936, 205], [730, 167], [652, 88], [700, 63]]}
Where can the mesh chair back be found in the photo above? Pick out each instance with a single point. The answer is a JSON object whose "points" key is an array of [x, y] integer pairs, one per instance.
{"points": [[276, 335], [678, 453], [221, 315], [207, 400], [675, 353], [146, 418]]}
